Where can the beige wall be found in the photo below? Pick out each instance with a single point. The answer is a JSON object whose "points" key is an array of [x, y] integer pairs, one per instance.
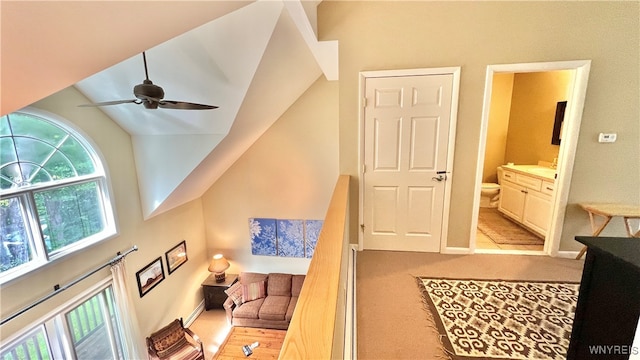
{"points": [[533, 109], [288, 173], [291, 170], [377, 35], [153, 237], [498, 126]]}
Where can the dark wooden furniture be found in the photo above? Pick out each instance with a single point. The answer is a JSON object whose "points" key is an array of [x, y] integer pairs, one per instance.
{"points": [[608, 306], [214, 295]]}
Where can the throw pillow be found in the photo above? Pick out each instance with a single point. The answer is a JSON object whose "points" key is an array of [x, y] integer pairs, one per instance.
{"points": [[235, 293], [253, 291]]}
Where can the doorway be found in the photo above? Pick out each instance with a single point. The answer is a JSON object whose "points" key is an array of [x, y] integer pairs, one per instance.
{"points": [[558, 196], [407, 129]]}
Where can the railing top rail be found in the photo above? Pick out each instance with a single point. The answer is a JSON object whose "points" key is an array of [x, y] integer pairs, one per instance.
{"points": [[310, 334]]}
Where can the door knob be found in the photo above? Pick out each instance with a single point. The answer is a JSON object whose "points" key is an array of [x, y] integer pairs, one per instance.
{"points": [[442, 175]]}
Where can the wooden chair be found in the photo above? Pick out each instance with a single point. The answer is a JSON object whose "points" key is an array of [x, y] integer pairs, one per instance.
{"points": [[175, 342]]}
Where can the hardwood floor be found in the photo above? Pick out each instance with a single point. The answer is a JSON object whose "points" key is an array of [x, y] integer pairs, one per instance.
{"points": [[270, 343], [223, 342], [212, 328]]}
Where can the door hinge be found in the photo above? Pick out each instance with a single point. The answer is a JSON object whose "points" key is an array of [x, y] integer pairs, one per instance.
{"points": [[364, 168], [364, 102], [362, 227]]}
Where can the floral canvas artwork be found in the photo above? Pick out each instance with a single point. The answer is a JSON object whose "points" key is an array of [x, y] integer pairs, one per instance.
{"points": [[286, 238], [263, 236], [290, 235], [312, 233]]}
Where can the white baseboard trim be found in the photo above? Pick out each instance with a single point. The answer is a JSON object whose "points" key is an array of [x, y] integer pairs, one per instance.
{"points": [[456, 251], [568, 254], [194, 314]]}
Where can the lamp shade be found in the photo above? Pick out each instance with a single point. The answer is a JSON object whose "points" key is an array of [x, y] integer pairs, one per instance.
{"points": [[218, 264]]}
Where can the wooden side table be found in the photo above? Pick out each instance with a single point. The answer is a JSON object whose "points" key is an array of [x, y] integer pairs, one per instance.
{"points": [[214, 295], [607, 212]]}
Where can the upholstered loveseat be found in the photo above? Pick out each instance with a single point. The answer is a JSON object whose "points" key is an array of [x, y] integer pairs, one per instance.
{"points": [[263, 300]]}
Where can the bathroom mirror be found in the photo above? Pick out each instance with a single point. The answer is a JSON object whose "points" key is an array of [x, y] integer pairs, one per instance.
{"points": [[557, 124]]}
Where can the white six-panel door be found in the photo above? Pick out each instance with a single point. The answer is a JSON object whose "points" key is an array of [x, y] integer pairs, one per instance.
{"points": [[406, 135]]}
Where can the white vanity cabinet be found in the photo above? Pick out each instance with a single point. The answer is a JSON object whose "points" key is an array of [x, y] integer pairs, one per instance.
{"points": [[526, 199]]}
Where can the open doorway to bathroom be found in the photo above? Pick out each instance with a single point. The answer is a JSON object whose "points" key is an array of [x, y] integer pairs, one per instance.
{"points": [[531, 118]]}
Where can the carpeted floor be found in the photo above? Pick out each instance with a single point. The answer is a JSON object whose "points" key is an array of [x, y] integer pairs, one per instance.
{"points": [[391, 320], [503, 231]]}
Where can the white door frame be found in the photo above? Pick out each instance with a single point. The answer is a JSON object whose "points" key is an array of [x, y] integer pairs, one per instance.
{"points": [[455, 71], [566, 156]]}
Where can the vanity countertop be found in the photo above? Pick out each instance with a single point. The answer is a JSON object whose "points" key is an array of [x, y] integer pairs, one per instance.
{"points": [[541, 172]]}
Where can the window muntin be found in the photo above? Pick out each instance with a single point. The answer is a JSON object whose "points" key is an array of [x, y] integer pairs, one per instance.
{"points": [[34, 150], [53, 190]]}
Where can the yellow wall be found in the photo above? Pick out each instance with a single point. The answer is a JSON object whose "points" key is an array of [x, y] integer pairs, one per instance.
{"points": [[521, 118], [498, 126], [377, 35], [153, 237], [288, 173], [533, 109]]}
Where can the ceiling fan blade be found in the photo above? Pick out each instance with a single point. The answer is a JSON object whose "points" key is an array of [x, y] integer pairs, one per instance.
{"points": [[115, 102], [182, 105]]}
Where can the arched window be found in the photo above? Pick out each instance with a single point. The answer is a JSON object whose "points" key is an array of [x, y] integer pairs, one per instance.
{"points": [[53, 192]]}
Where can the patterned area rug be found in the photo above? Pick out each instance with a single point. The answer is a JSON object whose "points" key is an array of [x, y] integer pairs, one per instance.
{"points": [[480, 319], [503, 231]]}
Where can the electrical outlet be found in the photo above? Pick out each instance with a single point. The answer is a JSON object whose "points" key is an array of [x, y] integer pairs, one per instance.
{"points": [[607, 138]]}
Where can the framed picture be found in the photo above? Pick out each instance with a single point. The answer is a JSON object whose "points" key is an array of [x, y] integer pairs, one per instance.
{"points": [[176, 256], [150, 276]]}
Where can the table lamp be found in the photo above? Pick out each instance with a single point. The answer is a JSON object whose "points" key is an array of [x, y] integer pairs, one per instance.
{"points": [[217, 266]]}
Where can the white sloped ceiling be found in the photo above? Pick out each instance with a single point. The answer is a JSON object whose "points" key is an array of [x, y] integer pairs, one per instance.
{"points": [[253, 63]]}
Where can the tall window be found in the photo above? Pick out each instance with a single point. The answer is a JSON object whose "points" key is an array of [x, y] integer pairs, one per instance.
{"points": [[53, 193], [86, 329]]}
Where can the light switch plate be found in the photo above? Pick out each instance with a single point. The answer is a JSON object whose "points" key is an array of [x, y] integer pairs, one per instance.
{"points": [[607, 137]]}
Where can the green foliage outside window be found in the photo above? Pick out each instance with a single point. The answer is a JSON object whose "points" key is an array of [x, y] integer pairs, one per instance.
{"points": [[48, 177]]}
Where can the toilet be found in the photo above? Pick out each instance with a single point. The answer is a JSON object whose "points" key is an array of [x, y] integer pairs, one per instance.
{"points": [[490, 193]]}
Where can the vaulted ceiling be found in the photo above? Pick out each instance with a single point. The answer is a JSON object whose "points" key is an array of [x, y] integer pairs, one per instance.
{"points": [[252, 59]]}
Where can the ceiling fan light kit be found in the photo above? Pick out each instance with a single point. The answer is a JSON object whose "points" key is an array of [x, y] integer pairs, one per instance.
{"points": [[151, 96]]}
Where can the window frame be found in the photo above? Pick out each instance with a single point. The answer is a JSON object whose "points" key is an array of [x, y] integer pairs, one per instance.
{"points": [[57, 330], [26, 197]]}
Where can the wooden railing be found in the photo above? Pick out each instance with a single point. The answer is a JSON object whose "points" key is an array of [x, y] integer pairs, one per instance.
{"points": [[317, 328]]}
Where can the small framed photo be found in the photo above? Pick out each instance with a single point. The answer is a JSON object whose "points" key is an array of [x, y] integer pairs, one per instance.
{"points": [[176, 256], [150, 276]]}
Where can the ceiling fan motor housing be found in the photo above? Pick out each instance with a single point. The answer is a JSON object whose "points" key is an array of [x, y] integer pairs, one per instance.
{"points": [[148, 90]]}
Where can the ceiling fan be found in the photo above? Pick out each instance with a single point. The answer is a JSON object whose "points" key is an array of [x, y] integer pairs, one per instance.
{"points": [[151, 96]]}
